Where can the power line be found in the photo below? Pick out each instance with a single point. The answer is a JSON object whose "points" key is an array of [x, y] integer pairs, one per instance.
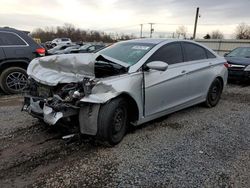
{"points": [[119, 28], [168, 24], [199, 24]]}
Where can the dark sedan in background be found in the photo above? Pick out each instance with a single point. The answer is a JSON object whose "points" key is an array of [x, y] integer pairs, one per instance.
{"points": [[239, 64]]}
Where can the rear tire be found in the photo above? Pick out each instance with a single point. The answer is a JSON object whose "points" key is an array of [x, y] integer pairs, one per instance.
{"points": [[13, 80], [112, 121], [214, 93]]}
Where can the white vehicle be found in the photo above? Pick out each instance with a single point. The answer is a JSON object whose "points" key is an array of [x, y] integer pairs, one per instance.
{"points": [[60, 41], [57, 48]]}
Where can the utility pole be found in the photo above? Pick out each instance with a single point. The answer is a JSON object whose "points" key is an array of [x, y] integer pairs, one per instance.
{"points": [[141, 30], [196, 21], [151, 29]]}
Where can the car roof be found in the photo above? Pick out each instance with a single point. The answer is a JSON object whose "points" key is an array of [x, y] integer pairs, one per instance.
{"points": [[10, 29], [153, 40]]}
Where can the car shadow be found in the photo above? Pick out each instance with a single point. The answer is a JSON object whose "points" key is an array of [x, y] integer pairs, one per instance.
{"points": [[242, 83], [162, 121]]}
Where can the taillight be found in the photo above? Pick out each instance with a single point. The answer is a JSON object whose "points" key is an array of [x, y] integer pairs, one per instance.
{"points": [[40, 51], [226, 64]]}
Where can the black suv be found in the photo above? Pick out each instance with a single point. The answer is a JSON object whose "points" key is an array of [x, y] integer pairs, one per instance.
{"points": [[17, 49], [239, 64]]}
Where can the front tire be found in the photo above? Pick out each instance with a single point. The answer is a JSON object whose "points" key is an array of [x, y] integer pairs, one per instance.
{"points": [[13, 80], [112, 121], [214, 93]]}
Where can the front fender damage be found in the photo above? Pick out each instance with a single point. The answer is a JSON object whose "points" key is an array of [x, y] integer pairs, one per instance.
{"points": [[101, 93], [84, 103], [88, 115], [88, 118]]}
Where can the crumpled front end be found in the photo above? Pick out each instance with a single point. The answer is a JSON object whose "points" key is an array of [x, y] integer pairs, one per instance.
{"points": [[72, 87], [56, 85], [52, 103]]}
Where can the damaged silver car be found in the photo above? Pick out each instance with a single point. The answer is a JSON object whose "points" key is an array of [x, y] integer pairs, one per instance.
{"points": [[128, 83]]}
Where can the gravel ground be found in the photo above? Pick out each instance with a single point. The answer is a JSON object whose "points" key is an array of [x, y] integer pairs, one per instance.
{"points": [[196, 147]]}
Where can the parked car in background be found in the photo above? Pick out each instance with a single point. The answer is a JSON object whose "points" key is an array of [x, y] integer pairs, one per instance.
{"points": [[17, 49], [67, 50], [53, 51], [131, 82], [48, 44], [88, 48], [60, 41], [239, 64]]}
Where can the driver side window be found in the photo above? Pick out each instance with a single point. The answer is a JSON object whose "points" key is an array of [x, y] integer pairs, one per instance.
{"points": [[169, 53]]}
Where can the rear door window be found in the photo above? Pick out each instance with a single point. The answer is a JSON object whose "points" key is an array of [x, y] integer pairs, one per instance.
{"points": [[10, 39], [64, 39], [193, 52], [169, 53], [210, 55]]}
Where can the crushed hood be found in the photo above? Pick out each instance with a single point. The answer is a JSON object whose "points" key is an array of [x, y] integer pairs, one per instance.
{"points": [[66, 68]]}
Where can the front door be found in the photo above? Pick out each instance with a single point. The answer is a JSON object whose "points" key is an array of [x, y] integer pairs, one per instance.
{"points": [[165, 89]]}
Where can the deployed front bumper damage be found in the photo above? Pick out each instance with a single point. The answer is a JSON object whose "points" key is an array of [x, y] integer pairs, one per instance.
{"points": [[50, 113]]}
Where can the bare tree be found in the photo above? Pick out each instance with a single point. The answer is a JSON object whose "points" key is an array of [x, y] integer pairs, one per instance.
{"points": [[182, 31], [217, 35], [242, 31], [76, 34]]}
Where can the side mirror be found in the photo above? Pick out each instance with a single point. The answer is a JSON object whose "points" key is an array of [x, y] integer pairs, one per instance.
{"points": [[225, 54], [157, 65]]}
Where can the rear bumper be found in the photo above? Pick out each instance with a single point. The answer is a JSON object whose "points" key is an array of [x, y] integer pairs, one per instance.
{"points": [[37, 107]]}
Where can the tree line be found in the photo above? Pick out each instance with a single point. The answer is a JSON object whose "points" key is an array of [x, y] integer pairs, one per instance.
{"points": [[242, 31], [77, 34]]}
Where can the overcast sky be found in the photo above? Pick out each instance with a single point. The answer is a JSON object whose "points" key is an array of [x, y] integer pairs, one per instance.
{"points": [[126, 15]]}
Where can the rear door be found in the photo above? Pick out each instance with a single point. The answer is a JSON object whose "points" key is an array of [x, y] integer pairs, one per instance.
{"points": [[13, 45], [165, 89], [2, 55], [199, 68]]}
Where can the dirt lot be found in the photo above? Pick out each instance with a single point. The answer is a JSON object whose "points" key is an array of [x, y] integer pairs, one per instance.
{"points": [[196, 147]]}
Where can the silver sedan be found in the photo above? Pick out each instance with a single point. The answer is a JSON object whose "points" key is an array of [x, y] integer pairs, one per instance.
{"points": [[127, 83]]}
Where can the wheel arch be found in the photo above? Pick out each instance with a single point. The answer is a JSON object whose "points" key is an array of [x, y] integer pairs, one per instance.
{"points": [[132, 107], [13, 63], [107, 97], [89, 112], [221, 81]]}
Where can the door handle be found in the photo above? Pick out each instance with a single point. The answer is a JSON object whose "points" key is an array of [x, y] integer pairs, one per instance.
{"points": [[183, 72]]}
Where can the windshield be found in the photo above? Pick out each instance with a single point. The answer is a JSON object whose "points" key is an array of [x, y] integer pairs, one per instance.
{"points": [[240, 52], [127, 52]]}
